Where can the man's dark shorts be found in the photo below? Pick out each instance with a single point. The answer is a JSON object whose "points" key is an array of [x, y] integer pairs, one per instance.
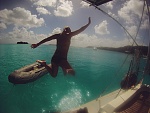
{"points": [[58, 60]]}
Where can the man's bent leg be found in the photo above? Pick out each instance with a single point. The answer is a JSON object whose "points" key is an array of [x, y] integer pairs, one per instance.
{"points": [[67, 69], [54, 69]]}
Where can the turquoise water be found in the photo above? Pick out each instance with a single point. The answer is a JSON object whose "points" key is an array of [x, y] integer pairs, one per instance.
{"points": [[97, 72]]}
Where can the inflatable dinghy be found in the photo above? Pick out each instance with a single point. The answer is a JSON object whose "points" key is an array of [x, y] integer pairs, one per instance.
{"points": [[27, 74]]}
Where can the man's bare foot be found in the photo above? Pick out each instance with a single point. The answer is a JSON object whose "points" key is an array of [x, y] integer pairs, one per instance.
{"points": [[42, 62], [70, 71]]}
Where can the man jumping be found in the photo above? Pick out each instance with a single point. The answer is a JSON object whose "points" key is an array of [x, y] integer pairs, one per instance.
{"points": [[60, 56]]}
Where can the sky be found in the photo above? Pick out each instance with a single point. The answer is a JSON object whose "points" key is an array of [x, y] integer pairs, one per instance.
{"points": [[34, 20]]}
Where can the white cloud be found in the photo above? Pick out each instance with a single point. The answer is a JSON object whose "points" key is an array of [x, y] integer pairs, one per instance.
{"points": [[108, 42], [102, 28], [56, 30], [109, 5], [132, 30], [131, 10], [22, 34], [50, 3], [19, 33], [64, 9], [20, 17], [42, 10], [3, 26], [40, 37], [113, 15], [81, 40], [145, 24], [131, 13], [84, 4], [84, 40]]}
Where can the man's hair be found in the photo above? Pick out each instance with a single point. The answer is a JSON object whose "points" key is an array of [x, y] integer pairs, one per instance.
{"points": [[67, 28]]}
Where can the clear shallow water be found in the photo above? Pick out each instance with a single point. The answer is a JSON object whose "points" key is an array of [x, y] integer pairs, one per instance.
{"points": [[95, 71]]}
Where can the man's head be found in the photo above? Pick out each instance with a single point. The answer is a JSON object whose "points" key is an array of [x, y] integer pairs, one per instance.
{"points": [[67, 30]]}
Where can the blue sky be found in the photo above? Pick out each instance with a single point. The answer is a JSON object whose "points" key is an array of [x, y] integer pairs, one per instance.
{"points": [[34, 20]]}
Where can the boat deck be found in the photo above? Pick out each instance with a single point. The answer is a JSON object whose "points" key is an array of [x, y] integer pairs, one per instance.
{"points": [[106, 103], [137, 103]]}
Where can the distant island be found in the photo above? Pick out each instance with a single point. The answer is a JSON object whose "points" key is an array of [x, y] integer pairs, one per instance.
{"points": [[22, 42], [125, 49]]}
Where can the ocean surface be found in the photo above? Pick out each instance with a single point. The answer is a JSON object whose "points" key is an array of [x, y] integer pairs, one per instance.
{"points": [[98, 72]]}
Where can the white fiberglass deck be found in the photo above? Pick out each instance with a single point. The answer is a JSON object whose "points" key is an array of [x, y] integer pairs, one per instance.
{"points": [[107, 103]]}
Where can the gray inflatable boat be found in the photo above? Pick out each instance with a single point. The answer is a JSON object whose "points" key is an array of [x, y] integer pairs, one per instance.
{"points": [[27, 74]]}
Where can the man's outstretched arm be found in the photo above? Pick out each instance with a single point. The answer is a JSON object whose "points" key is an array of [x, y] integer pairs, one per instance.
{"points": [[81, 29], [44, 40]]}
